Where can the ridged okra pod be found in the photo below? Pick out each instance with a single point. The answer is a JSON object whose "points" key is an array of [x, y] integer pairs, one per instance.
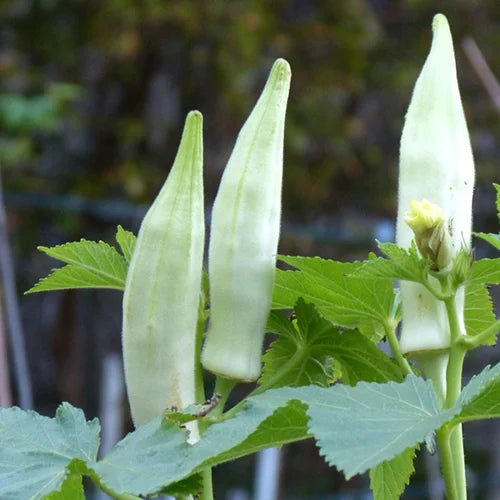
{"points": [[244, 236], [162, 291], [436, 164]]}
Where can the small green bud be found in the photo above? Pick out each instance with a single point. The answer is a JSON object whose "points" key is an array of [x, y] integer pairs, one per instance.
{"points": [[462, 264]]}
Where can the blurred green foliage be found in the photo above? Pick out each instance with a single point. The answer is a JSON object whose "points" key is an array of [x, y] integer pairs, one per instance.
{"points": [[132, 69]]}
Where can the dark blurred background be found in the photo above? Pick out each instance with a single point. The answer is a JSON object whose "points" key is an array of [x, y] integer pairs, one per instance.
{"points": [[93, 95]]}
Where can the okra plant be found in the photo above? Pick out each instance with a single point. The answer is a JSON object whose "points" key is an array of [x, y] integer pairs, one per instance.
{"points": [[325, 376]]}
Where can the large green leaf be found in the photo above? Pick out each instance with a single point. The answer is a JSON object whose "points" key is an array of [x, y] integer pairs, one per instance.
{"points": [[37, 453], [157, 454], [345, 300], [90, 264], [355, 427], [389, 479], [369, 426], [316, 342]]}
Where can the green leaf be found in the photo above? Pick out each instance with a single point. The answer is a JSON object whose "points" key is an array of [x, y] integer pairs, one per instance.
{"points": [[126, 240], [90, 264], [157, 454], [316, 342], [389, 479], [362, 360], [480, 399], [345, 300], [401, 264], [306, 339], [478, 311], [491, 238], [485, 271], [37, 453], [356, 428]]}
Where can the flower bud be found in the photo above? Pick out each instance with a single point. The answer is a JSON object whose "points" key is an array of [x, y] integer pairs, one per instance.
{"points": [[431, 233], [436, 164]]}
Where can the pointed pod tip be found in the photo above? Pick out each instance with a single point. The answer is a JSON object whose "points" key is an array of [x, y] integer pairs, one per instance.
{"points": [[280, 73], [440, 27], [194, 122], [438, 21], [194, 116]]}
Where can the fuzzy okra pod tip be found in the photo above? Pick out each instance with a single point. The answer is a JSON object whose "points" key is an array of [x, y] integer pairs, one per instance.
{"points": [[162, 290], [244, 236], [436, 167]]}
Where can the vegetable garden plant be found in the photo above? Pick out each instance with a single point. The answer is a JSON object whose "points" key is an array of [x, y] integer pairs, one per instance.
{"points": [[324, 377]]}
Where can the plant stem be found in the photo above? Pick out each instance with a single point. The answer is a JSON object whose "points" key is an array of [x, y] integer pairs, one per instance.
{"points": [[207, 492], [223, 387], [390, 332], [208, 489], [447, 463], [453, 389]]}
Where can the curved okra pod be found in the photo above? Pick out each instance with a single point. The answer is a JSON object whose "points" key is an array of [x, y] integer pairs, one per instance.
{"points": [[244, 237], [437, 169], [162, 291]]}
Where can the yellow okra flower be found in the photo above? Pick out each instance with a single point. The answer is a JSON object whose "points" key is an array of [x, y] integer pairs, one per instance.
{"points": [[244, 237], [436, 164], [162, 291]]}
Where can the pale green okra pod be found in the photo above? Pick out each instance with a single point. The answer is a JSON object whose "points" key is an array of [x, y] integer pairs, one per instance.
{"points": [[244, 236], [162, 291], [436, 164]]}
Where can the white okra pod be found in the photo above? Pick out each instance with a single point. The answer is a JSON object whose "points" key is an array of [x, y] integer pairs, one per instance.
{"points": [[436, 164], [162, 291], [244, 236]]}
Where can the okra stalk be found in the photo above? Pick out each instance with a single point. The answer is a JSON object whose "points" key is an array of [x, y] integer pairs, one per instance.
{"points": [[436, 165], [162, 291], [244, 237]]}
